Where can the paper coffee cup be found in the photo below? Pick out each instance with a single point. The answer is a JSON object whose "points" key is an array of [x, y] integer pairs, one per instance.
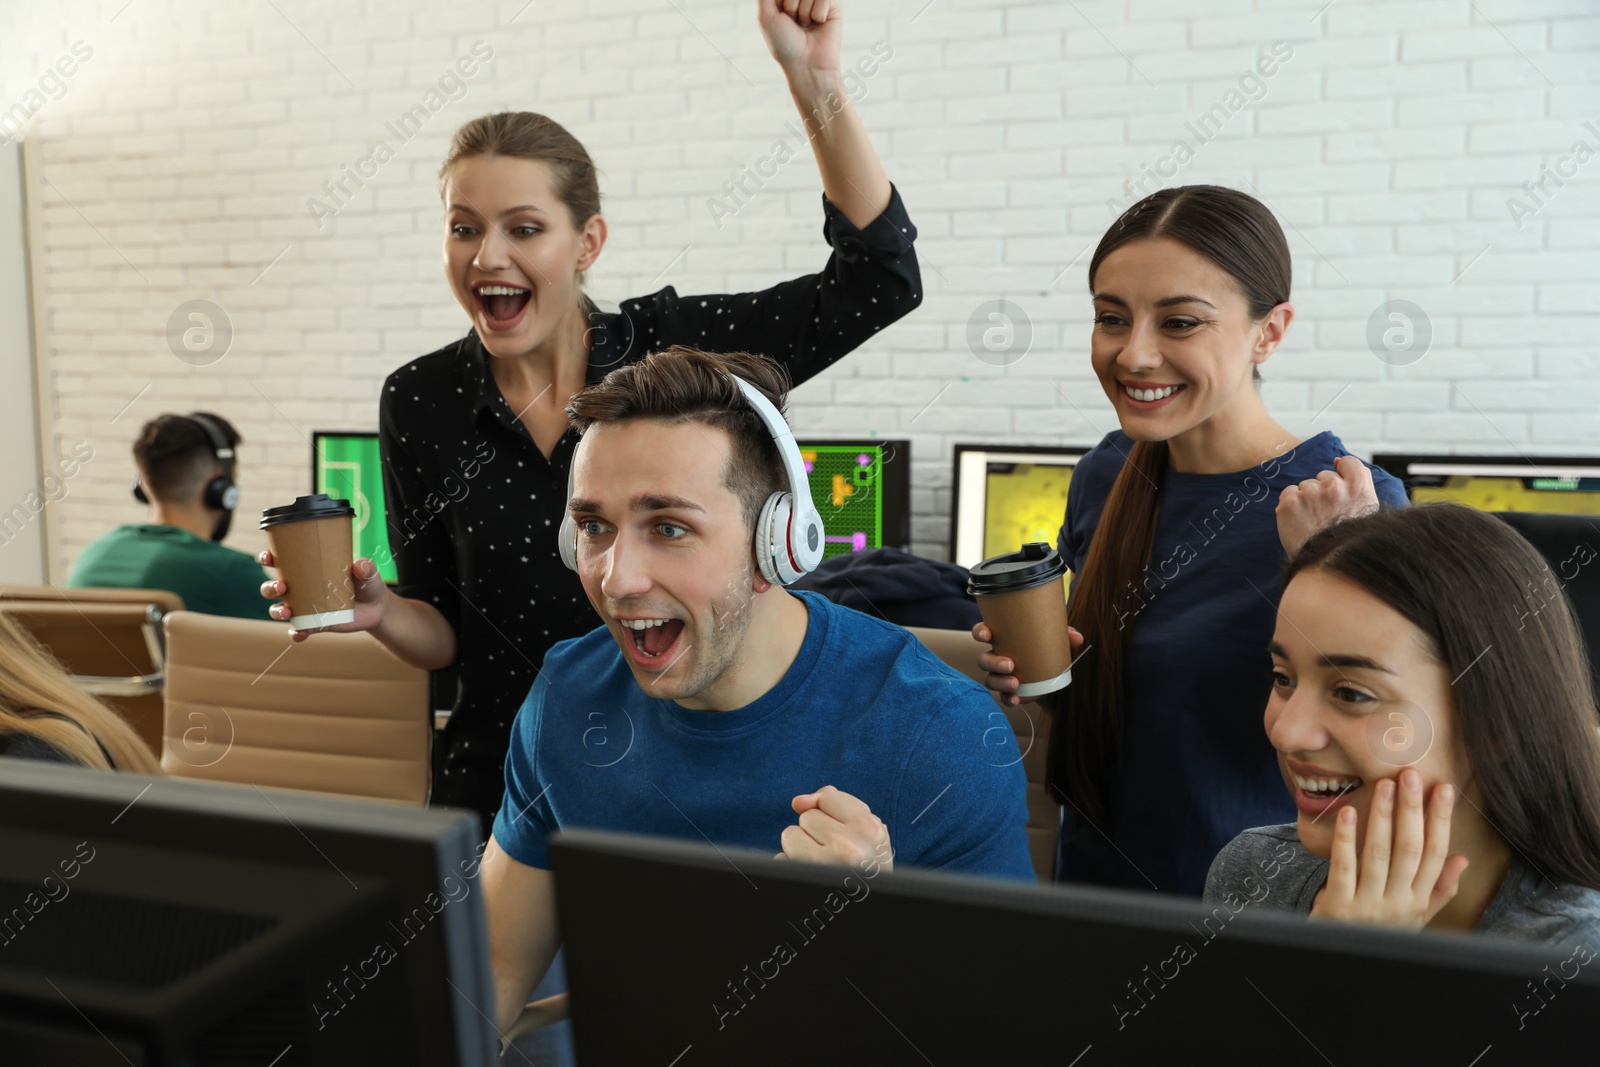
{"points": [[1023, 600], [312, 547]]}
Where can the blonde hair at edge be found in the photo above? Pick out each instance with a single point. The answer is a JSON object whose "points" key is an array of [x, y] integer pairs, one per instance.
{"points": [[32, 681]]}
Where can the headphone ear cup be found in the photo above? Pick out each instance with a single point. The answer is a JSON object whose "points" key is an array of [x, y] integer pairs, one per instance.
{"points": [[139, 493], [567, 535], [769, 546], [807, 540], [221, 493], [567, 543], [782, 544]]}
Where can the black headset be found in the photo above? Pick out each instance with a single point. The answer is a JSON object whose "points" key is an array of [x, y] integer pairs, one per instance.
{"points": [[220, 491]]}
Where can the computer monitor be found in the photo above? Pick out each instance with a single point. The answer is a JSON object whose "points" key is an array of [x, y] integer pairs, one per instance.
{"points": [[1560, 485], [1006, 496], [157, 921], [862, 489], [678, 952], [348, 465]]}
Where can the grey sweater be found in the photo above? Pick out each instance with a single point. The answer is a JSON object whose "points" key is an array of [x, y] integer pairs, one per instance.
{"points": [[1269, 867]]}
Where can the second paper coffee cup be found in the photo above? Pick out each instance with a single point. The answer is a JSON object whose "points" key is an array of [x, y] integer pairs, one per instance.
{"points": [[311, 545], [1023, 600]]}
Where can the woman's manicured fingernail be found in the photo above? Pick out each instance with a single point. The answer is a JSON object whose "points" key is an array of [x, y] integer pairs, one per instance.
{"points": [[1411, 780], [1447, 794]]}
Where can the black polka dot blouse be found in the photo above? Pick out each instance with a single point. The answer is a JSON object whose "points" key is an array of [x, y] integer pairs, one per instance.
{"points": [[473, 505]]}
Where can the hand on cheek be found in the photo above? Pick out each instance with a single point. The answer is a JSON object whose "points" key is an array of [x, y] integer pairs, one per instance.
{"points": [[1405, 872], [835, 827]]}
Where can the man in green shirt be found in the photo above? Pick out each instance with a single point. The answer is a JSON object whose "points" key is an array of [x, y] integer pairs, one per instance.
{"points": [[186, 465]]}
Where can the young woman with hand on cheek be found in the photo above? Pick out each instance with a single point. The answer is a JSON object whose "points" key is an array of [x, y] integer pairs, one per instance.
{"points": [[1177, 528], [1444, 759]]}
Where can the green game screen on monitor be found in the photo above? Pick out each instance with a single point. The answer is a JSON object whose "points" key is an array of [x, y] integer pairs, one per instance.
{"points": [[346, 465], [862, 488]]}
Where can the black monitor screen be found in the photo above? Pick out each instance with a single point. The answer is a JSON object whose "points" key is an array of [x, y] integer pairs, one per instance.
{"points": [[153, 920]]}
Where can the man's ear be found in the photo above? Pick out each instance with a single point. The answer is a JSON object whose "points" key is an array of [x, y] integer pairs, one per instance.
{"points": [[758, 583]]}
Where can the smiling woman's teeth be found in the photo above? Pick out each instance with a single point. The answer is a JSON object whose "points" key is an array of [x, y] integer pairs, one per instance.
{"points": [[1150, 394], [1326, 787], [499, 290]]}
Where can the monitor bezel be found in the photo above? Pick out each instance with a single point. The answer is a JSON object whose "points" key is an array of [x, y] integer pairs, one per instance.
{"points": [[1399, 463], [581, 858], [230, 821], [958, 450]]}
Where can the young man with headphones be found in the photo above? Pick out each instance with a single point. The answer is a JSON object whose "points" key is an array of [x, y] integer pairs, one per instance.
{"points": [[186, 468], [713, 704]]}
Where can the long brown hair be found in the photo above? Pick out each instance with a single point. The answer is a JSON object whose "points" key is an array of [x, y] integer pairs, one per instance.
{"points": [[1239, 234], [38, 699], [1525, 703], [529, 135]]}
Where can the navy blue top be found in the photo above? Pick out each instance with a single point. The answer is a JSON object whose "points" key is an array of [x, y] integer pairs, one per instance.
{"points": [[864, 707], [1196, 768]]}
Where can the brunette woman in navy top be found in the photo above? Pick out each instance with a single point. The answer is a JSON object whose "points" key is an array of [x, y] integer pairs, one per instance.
{"points": [[1177, 529]]}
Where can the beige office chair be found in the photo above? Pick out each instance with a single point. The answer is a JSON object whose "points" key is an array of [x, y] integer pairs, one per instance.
{"points": [[109, 640], [337, 713], [1031, 723]]}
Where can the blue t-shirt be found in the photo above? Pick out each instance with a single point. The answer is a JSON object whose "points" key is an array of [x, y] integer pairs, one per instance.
{"points": [[865, 707], [1196, 768]]}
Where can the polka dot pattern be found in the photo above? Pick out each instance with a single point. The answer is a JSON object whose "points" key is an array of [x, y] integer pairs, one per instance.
{"points": [[473, 503]]}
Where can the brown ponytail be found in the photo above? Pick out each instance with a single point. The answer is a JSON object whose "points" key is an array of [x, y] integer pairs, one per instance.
{"points": [[1239, 234], [1104, 608]]}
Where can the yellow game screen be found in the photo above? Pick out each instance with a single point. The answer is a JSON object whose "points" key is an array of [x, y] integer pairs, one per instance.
{"points": [[1023, 502], [1557, 496]]}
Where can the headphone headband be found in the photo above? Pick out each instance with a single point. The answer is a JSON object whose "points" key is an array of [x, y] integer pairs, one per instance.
{"points": [[219, 440], [788, 534]]}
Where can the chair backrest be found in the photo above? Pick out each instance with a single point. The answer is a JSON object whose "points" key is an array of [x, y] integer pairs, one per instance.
{"points": [[108, 639], [335, 714], [1031, 724]]}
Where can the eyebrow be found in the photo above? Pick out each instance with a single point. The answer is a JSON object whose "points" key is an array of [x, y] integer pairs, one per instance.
{"points": [[1353, 662], [508, 211], [1165, 302], [642, 502]]}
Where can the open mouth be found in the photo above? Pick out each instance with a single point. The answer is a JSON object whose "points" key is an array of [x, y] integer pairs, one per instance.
{"points": [[652, 643], [502, 305], [1320, 795], [1145, 398]]}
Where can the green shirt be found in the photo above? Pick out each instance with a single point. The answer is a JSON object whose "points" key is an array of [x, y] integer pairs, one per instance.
{"points": [[210, 578]]}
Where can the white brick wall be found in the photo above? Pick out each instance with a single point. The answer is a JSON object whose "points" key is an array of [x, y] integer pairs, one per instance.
{"points": [[177, 162]]}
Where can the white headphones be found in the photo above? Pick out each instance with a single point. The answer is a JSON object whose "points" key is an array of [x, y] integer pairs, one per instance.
{"points": [[788, 534]]}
